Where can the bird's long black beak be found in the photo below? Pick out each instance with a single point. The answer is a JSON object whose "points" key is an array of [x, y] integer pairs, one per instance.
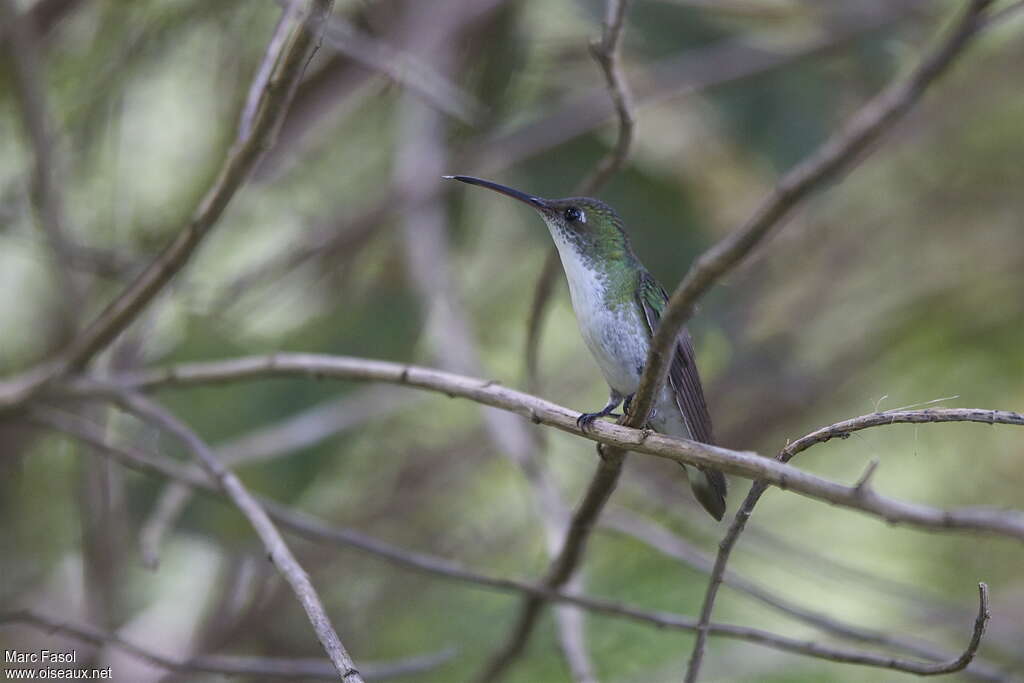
{"points": [[535, 202]]}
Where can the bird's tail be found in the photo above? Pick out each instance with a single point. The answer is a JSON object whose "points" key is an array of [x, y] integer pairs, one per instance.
{"points": [[709, 489]]}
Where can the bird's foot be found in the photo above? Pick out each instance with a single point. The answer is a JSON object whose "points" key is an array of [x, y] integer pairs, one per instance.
{"points": [[627, 408], [585, 420]]}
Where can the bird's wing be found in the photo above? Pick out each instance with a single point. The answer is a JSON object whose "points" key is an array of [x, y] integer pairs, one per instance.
{"points": [[682, 376]]}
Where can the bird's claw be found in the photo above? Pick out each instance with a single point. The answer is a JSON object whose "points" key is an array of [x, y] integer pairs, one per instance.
{"points": [[584, 421]]}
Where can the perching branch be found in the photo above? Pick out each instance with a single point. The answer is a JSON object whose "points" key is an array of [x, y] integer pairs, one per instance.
{"points": [[317, 531], [226, 665], [239, 163], [278, 551], [837, 154], [1009, 523]]}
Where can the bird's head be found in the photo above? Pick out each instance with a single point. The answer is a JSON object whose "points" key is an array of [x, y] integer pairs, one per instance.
{"points": [[588, 225]]}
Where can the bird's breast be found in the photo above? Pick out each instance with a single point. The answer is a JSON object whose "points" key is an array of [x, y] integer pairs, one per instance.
{"points": [[611, 325], [615, 335]]}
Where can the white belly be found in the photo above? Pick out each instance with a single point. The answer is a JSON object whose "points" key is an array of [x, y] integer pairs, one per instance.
{"points": [[618, 340]]}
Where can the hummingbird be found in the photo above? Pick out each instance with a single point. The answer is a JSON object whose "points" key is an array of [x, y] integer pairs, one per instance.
{"points": [[618, 306]]}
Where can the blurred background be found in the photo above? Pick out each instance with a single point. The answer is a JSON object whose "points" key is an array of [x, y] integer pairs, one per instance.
{"points": [[900, 285]]}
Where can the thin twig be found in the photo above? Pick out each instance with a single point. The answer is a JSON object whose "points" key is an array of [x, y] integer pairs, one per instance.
{"points": [[672, 545], [258, 88], [1009, 523], [606, 53], [317, 531], [837, 154], [226, 665], [278, 551], [239, 163], [837, 430]]}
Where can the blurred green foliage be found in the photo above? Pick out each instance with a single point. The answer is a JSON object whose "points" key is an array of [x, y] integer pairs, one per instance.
{"points": [[900, 285]]}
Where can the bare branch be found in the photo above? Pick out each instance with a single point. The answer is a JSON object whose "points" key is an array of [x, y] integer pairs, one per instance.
{"points": [[278, 551], [745, 464], [838, 430], [258, 667], [839, 153], [670, 544], [606, 53], [239, 163], [315, 530], [258, 89], [561, 568], [841, 430]]}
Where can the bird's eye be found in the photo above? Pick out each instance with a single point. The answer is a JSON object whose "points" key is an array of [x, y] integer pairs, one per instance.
{"points": [[572, 214]]}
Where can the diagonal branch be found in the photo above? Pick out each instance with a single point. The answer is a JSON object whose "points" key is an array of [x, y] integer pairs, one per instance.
{"points": [[1009, 523], [317, 531], [258, 90], [561, 569], [837, 154], [240, 161], [227, 665], [839, 430], [671, 545], [278, 551]]}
